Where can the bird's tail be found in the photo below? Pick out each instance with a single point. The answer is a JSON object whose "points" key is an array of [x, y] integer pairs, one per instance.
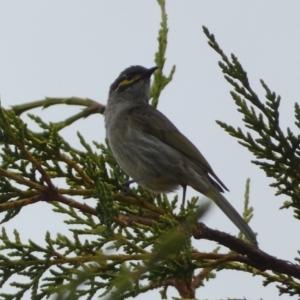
{"points": [[233, 215]]}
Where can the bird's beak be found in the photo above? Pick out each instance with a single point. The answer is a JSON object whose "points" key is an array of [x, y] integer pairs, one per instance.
{"points": [[149, 72]]}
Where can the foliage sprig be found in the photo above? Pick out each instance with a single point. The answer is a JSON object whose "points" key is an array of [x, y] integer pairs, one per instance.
{"points": [[276, 150]]}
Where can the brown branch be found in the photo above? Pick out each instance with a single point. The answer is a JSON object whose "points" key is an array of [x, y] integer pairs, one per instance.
{"points": [[255, 257], [181, 286], [72, 203], [75, 192], [129, 220], [74, 260], [96, 107], [137, 200], [21, 203], [21, 180], [75, 166], [198, 279], [50, 195], [221, 258], [35, 163], [27, 196], [91, 105]]}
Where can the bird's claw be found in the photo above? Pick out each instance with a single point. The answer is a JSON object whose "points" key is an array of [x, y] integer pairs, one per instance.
{"points": [[127, 189]]}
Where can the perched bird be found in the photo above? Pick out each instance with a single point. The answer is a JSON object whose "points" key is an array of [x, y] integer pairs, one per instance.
{"points": [[152, 151]]}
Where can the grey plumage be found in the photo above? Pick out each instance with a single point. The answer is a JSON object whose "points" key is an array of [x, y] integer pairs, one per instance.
{"points": [[146, 144]]}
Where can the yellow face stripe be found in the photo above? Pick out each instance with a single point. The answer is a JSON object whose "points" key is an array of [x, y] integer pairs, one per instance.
{"points": [[128, 81]]}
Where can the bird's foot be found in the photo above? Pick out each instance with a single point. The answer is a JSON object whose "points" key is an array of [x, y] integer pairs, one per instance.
{"points": [[127, 189]]}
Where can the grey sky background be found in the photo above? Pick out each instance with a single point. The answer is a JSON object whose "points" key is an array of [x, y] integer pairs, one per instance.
{"points": [[77, 48]]}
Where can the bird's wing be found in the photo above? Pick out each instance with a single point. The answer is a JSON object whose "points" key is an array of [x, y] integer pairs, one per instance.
{"points": [[153, 122]]}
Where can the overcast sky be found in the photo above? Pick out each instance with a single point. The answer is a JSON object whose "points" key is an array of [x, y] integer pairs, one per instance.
{"points": [[77, 48]]}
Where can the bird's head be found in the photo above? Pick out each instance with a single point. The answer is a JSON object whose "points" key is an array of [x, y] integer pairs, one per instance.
{"points": [[133, 81]]}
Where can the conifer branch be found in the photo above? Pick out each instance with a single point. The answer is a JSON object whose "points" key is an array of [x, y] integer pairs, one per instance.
{"points": [[277, 152]]}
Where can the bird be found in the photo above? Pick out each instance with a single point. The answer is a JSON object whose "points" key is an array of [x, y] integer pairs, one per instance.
{"points": [[152, 151]]}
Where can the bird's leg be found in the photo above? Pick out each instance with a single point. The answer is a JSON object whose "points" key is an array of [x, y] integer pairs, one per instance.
{"points": [[183, 195], [129, 182]]}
